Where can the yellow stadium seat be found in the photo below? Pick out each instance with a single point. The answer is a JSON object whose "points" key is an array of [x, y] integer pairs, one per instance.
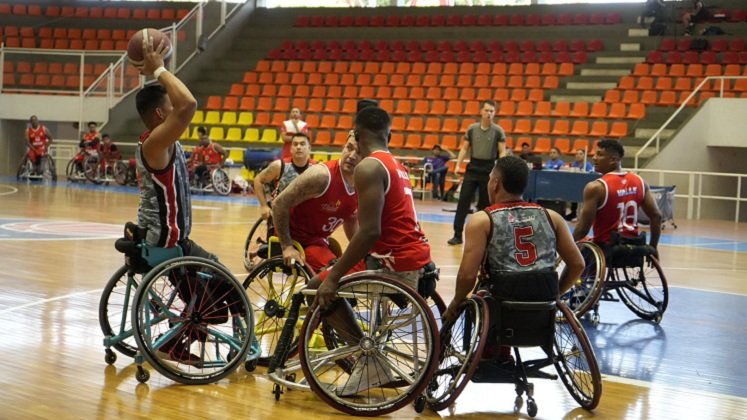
{"points": [[245, 118], [233, 134], [217, 133], [185, 135], [269, 135], [247, 174], [236, 155], [212, 117], [251, 134], [321, 157], [195, 134], [228, 118], [198, 117]]}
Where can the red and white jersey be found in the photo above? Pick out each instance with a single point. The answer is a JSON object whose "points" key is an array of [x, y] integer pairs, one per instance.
{"points": [[207, 155], [402, 246], [37, 137], [90, 142], [624, 192], [314, 220], [291, 126]]}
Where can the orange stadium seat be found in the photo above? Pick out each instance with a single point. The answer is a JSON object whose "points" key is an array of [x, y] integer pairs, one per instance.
{"points": [[413, 141], [563, 144], [542, 145], [599, 129]]}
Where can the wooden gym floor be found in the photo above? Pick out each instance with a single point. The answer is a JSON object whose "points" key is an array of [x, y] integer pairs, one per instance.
{"points": [[56, 254]]}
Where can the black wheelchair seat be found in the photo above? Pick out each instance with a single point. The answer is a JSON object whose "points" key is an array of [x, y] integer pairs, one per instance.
{"points": [[131, 246], [623, 251]]}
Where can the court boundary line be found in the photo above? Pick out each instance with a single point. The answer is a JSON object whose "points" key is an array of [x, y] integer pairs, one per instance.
{"points": [[13, 190]]}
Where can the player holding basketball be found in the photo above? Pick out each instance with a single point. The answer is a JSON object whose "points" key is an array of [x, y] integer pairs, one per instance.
{"points": [[311, 208], [165, 207], [38, 139], [282, 171], [611, 202]]}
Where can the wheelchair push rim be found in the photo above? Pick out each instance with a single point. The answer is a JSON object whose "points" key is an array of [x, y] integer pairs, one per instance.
{"points": [[643, 289]]}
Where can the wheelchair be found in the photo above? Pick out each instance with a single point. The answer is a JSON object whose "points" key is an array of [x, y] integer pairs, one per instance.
{"points": [[584, 294], [189, 318], [99, 171], [45, 171], [632, 270], [124, 172], [258, 237], [519, 311], [76, 167], [213, 179], [396, 347]]}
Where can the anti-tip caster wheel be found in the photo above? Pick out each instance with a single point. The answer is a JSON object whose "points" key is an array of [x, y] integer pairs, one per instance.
{"points": [[110, 357], [531, 407], [250, 365], [142, 375], [595, 319], [419, 404], [276, 390], [518, 403]]}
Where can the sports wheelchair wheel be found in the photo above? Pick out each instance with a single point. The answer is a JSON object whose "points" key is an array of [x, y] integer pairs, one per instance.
{"points": [[462, 344], [271, 286], [47, 168], [120, 171], [258, 236], [220, 180], [588, 287], [114, 311], [25, 169], [92, 169], [394, 358], [73, 171], [575, 360], [192, 320], [643, 289]]}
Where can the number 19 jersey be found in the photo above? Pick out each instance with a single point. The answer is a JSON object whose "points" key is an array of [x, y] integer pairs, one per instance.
{"points": [[624, 192]]}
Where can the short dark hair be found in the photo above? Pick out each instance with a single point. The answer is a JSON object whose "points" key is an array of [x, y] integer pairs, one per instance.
{"points": [[149, 98], [374, 119], [525, 144], [91, 123], [514, 174], [202, 130], [488, 102], [556, 149], [435, 146], [612, 145], [104, 135], [365, 103], [302, 135]]}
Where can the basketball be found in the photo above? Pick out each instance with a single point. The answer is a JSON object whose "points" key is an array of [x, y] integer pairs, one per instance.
{"points": [[135, 46]]}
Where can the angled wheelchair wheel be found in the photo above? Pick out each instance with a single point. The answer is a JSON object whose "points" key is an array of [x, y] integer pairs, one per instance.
{"points": [[120, 172], [258, 236], [392, 348], [644, 289], [588, 287], [271, 286], [462, 343], [48, 168], [115, 310], [73, 171], [25, 169], [192, 320], [575, 360], [220, 180], [92, 169]]}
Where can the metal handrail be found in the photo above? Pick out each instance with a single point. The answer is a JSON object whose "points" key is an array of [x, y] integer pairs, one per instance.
{"points": [[657, 135]]}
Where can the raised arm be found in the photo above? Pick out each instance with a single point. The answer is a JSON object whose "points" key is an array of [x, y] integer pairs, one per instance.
{"points": [[157, 148], [593, 195], [568, 251], [270, 174], [312, 183]]}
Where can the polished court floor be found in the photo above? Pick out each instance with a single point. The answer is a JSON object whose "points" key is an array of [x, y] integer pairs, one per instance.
{"points": [[56, 253]]}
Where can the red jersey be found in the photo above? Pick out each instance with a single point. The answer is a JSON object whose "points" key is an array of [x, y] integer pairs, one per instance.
{"points": [[38, 138], [208, 155], [402, 245], [624, 192], [314, 220], [110, 151], [90, 142]]}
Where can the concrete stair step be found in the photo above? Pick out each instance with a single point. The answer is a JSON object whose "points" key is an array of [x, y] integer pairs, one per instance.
{"points": [[621, 60], [637, 32], [630, 46], [605, 72], [590, 85], [575, 98], [646, 133]]}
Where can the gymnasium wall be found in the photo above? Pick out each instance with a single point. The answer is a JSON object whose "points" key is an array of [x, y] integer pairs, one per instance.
{"points": [[713, 140]]}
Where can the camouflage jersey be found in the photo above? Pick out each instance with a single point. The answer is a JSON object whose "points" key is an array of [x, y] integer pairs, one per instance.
{"points": [[521, 239], [165, 202], [288, 172]]}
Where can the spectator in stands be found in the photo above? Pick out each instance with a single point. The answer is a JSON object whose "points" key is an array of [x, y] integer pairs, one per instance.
{"points": [[652, 8], [698, 14], [485, 141], [207, 155], [580, 164], [554, 163], [292, 126], [438, 169], [526, 152]]}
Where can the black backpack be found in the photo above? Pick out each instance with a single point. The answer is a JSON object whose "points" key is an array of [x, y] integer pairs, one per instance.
{"points": [[713, 30]]}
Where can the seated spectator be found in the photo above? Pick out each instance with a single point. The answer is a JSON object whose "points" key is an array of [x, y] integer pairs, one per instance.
{"points": [[526, 152], [581, 163], [554, 163], [652, 8], [437, 170], [698, 14]]}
